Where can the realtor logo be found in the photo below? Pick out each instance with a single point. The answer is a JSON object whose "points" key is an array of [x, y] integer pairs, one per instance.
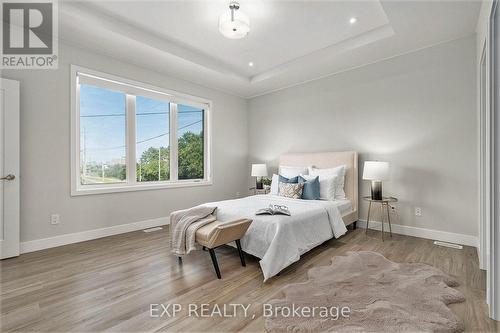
{"points": [[29, 35]]}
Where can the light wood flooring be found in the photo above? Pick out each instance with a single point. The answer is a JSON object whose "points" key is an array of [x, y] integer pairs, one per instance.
{"points": [[108, 284]]}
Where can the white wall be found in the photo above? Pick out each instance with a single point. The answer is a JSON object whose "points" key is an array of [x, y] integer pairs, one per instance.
{"points": [[417, 111], [45, 152]]}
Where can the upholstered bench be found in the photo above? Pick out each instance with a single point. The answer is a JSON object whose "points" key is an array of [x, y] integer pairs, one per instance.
{"points": [[220, 233]]}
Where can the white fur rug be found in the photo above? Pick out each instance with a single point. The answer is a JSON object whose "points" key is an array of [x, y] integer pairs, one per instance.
{"points": [[383, 296]]}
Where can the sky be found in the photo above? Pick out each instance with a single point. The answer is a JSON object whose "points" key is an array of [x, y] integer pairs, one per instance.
{"points": [[103, 123]]}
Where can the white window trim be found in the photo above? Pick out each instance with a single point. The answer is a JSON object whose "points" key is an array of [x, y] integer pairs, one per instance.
{"points": [[132, 88]]}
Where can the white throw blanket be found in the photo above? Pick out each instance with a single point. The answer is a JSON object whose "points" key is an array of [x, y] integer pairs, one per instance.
{"points": [[183, 226]]}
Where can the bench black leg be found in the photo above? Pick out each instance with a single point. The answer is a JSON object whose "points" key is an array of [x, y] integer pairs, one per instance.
{"points": [[214, 261], [354, 225], [179, 259], [240, 251]]}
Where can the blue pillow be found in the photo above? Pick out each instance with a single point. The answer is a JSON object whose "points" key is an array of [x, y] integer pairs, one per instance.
{"points": [[311, 188], [293, 180]]}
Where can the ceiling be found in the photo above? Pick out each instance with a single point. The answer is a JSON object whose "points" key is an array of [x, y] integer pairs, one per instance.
{"points": [[289, 41]]}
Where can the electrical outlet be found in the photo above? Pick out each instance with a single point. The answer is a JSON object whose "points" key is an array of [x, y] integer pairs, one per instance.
{"points": [[55, 218], [418, 211]]}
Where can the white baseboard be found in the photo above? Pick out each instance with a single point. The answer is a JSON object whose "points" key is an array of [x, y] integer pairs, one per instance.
{"points": [[444, 236], [45, 243]]}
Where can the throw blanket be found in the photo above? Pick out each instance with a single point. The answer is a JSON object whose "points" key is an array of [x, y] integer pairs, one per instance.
{"points": [[183, 226]]}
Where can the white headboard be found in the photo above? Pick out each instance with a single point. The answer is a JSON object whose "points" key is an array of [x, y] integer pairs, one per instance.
{"points": [[330, 160]]}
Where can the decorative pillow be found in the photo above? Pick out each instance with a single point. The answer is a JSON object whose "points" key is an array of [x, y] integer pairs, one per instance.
{"points": [[293, 180], [311, 188], [274, 185], [338, 176], [290, 172], [291, 190]]}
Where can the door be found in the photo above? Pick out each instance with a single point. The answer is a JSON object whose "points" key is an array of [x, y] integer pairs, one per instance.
{"points": [[9, 168]]}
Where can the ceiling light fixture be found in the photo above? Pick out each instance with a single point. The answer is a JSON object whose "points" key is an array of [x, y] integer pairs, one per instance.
{"points": [[250, 64], [233, 23], [353, 20]]}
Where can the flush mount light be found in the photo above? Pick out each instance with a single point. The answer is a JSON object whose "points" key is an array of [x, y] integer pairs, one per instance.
{"points": [[353, 20], [250, 64], [233, 23]]}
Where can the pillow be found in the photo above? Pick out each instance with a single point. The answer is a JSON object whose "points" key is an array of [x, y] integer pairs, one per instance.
{"points": [[289, 190], [311, 188], [338, 176], [289, 172], [277, 179], [274, 185], [326, 186], [293, 180]]}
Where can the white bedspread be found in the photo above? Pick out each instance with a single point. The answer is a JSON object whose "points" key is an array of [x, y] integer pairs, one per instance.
{"points": [[280, 240]]}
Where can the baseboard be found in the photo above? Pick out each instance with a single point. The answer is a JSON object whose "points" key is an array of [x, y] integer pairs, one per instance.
{"points": [[46, 243], [444, 236]]}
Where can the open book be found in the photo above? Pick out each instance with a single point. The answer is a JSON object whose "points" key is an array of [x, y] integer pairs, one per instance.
{"points": [[274, 210]]}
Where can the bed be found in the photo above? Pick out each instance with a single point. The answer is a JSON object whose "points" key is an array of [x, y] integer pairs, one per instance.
{"points": [[280, 240]]}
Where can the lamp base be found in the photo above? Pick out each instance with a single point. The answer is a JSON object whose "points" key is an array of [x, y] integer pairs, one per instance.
{"points": [[258, 183], [376, 190]]}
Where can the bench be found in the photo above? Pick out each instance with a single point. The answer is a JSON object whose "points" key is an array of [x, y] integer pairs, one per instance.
{"points": [[219, 233]]}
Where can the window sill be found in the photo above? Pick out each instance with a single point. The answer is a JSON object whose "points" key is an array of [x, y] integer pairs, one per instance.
{"points": [[116, 188]]}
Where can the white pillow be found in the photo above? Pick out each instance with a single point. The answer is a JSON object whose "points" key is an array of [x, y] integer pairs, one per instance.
{"points": [[338, 176], [290, 172], [326, 186], [275, 184]]}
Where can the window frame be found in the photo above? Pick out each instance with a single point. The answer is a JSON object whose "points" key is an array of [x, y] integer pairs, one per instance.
{"points": [[131, 89]]}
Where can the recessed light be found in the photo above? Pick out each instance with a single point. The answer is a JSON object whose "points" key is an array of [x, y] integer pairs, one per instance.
{"points": [[250, 64], [353, 20]]}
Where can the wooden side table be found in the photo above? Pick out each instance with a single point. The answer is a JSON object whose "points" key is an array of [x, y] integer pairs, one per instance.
{"points": [[384, 203]]}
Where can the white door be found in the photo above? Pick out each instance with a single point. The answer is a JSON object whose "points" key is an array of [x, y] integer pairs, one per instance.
{"points": [[9, 168]]}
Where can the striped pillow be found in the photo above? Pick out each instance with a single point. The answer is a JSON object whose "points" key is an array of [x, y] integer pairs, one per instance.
{"points": [[289, 190]]}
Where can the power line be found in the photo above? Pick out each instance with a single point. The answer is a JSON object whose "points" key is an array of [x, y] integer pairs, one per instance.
{"points": [[146, 140], [137, 114]]}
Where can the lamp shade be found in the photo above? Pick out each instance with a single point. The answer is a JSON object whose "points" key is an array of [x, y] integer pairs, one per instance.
{"points": [[259, 170], [376, 170]]}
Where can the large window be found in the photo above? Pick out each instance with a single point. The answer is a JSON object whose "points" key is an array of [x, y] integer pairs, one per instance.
{"points": [[131, 136]]}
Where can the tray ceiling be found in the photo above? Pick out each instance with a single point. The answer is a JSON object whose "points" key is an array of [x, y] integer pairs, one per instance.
{"points": [[289, 41]]}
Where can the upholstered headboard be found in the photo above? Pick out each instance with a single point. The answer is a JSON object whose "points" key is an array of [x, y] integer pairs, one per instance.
{"points": [[330, 160]]}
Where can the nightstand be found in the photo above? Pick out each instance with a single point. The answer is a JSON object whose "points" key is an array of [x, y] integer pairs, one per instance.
{"points": [[384, 203], [262, 191]]}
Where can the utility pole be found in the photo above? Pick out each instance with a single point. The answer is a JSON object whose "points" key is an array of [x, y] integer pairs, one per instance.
{"points": [[159, 163], [84, 169]]}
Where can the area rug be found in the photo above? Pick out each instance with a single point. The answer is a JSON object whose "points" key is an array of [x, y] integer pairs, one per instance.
{"points": [[381, 295]]}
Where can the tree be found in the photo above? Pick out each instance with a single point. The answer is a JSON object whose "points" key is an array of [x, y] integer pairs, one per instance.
{"points": [[191, 156], [147, 168], [116, 171], [190, 160]]}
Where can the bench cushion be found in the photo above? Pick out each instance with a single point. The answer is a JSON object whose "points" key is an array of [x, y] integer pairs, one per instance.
{"points": [[218, 233]]}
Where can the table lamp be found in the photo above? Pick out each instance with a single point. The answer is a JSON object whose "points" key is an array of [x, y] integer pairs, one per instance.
{"points": [[376, 171], [259, 171]]}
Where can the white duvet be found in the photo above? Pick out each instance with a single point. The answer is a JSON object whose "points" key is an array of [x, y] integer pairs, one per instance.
{"points": [[280, 240]]}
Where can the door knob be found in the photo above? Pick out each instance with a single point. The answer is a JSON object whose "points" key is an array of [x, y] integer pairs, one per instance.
{"points": [[8, 177]]}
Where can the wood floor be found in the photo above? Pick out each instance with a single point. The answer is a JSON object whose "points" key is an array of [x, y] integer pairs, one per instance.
{"points": [[108, 284]]}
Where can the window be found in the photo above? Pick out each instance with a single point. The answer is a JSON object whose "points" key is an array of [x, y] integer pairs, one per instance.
{"points": [[153, 144], [131, 136], [190, 139]]}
